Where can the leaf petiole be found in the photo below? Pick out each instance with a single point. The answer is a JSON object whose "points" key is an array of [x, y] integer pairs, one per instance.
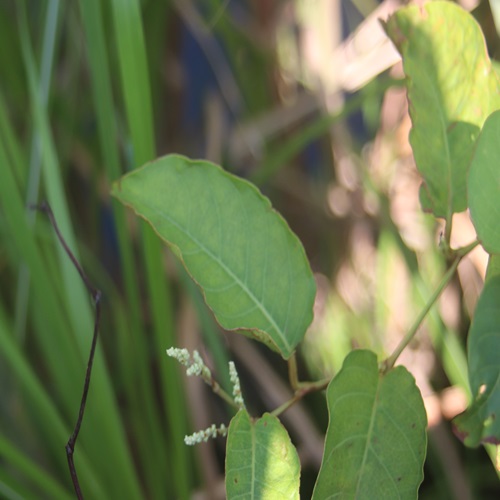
{"points": [[458, 255], [293, 375], [300, 388], [303, 389], [391, 360]]}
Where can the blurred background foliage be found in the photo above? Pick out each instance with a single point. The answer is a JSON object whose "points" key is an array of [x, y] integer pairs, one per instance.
{"points": [[303, 97]]}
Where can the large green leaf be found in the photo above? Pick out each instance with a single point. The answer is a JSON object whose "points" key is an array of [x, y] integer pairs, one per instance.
{"points": [[376, 439], [261, 461], [452, 88], [249, 265], [484, 185], [480, 423]]}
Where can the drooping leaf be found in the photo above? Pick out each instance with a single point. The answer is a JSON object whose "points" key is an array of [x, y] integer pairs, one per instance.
{"points": [[261, 461], [484, 185], [452, 88], [251, 268], [480, 423], [376, 439]]}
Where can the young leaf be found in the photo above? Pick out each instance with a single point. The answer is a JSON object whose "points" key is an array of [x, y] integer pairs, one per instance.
{"points": [[251, 268], [484, 185], [261, 461], [376, 439], [452, 88], [480, 423]]}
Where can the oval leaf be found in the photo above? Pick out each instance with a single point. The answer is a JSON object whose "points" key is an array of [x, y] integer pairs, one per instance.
{"points": [[261, 462], [484, 185], [376, 439], [452, 88], [480, 423], [251, 268]]}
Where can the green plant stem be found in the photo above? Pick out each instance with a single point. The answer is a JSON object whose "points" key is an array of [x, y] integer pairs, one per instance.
{"points": [[292, 372], [463, 251], [217, 389], [303, 389], [300, 389], [458, 255], [389, 362]]}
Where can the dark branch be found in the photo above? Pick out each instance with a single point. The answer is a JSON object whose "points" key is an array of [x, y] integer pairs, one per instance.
{"points": [[96, 296]]}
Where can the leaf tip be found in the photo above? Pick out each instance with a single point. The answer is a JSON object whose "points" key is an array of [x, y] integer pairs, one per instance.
{"points": [[116, 188]]}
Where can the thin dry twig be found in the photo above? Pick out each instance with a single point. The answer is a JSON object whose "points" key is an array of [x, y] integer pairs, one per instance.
{"points": [[96, 296]]}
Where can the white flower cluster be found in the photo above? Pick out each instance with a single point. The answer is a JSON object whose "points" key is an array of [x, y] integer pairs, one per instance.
{"points": [[181, 355], [235, 380], [195, 365], [205, 435]]}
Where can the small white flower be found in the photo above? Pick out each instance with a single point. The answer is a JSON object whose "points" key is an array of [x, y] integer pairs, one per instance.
{"points": [[235, 380], [205, 435], [194, 369], [181, 355], [195, 365], [205, 371]]}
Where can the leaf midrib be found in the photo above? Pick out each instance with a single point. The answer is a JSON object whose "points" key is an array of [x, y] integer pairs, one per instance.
{"points": [[368, 438], [231, 274]]}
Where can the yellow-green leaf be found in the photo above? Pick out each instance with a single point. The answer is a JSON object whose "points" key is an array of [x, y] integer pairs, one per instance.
{"points": [[250, 266], [376, 439], [452, 88], [484, 185], [480, 423], [261, 461]]}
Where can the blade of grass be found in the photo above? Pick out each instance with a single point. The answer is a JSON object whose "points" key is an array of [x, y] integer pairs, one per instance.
{"points": [[77, 298], [11, 64], [13, 149], [48, 419], [131, 348], [135, 88], [103, 420], [44, 483], [33, 182], [11, 489], [59, 352], [136, 91], [62, 354], [156, 16]]}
